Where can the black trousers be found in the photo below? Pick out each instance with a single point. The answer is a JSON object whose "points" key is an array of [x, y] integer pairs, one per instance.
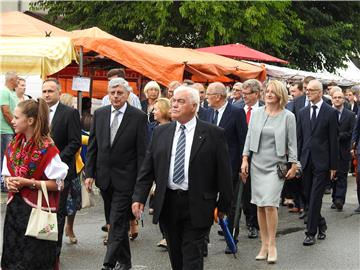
{"points": [[232, 213], [315, 182], [185, 242], [358, 179], [250, 210], [118, 247], [107, 205], [340, 185], [61, 214]]}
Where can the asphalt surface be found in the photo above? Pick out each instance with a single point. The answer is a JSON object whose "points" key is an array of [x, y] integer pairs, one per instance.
{"points": [[340, 250]]}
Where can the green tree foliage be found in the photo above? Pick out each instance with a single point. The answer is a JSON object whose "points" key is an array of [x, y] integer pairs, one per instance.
{"points": [[310, 34]]}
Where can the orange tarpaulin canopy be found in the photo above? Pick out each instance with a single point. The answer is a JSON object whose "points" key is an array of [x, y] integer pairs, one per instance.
{"points": [[18, 24], [166, 64]]}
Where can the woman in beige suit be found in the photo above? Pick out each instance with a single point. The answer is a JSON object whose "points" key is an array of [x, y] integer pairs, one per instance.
{"points": [[271, 139]]}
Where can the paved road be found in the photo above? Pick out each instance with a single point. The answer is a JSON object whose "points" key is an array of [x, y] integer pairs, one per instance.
{"points": [[340, 250]]}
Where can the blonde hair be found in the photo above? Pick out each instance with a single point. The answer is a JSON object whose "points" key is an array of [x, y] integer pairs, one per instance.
{"points": [[67, 100], [164, 107], [152, 85], [279, 91]]}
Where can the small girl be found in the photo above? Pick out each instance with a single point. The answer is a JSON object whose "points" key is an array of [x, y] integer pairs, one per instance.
{"points": [[30, 157]]}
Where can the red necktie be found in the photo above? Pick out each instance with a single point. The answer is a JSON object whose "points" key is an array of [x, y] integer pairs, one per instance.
{"points": [[248, 115]]}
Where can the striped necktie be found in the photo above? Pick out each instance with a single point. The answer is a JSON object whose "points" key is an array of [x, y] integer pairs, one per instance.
{"points": [[114, 126], [179, 170]]}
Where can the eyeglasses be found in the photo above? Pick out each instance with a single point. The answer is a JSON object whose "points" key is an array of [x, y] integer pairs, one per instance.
{"points": [[236, 90], [338, 97]]}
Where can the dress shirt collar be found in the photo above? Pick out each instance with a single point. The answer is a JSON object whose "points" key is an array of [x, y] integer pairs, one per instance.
{"points": [[318, 105], [54, 107], [188, 126], [122, 109], [256, 105], [222, 108]]}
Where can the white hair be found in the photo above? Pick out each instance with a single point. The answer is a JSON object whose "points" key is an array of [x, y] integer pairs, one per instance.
{"points": [[193, 93], [119, 82], [10, 75]]}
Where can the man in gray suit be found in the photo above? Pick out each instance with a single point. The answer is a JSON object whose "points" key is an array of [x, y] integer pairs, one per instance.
{"points": [[251, 90]]}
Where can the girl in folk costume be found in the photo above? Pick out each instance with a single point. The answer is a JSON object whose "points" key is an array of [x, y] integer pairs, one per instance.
{"points": [[30, 157]]}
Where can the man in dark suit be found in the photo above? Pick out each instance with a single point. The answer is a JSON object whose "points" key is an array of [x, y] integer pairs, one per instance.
{"points": [[317, 128], [236, 95], [202, 93], [233, 121], [189, 161], [251, 90], [66, 132], [116, 149], [346, 125]]}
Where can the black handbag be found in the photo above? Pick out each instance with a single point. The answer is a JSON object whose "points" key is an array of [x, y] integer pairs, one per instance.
{"points": [[282, 169]]}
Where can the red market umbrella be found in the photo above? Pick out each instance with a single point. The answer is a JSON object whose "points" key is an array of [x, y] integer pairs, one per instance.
{"points": [[240, 51]]}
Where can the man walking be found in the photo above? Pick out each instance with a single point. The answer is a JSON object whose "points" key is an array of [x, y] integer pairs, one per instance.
{"points": [[116, 149], [189, 161], [317, 128]]}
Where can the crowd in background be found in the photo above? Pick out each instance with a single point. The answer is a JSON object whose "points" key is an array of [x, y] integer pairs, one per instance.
{"points": [[311, 129]]}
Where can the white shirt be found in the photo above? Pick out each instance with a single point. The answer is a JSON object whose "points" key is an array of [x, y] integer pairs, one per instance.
{"points": [[189, 136], [55, 170], [221, 112], [318, 105], [120, 116], [253, 108], [133, 100], [52, 111]]}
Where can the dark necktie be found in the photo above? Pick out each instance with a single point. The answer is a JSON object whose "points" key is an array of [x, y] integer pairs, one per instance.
{"points": [[313, 116], [248, 115], [215, 119], [179, 165]]}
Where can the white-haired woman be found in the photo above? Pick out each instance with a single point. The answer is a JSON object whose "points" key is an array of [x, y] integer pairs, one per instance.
{"points": [[152, 93]]}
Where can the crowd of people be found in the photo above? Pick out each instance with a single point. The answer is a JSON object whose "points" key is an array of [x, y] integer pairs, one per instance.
{"points": [[190, 149]]}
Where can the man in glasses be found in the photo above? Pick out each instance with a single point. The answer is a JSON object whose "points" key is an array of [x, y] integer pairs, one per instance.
{"points": [[236, 94]]}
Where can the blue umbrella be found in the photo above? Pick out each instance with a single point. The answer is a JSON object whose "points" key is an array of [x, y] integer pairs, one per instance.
{"points": [[228, 236]]}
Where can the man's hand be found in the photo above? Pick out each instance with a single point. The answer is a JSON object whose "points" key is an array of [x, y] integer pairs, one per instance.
{"points": [[88, 184], [221, 215], [137, 209], [332, 174]]}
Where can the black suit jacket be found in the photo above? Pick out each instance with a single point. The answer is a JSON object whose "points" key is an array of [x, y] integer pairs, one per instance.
{"points": [[117, 164], [209, 172], [233, 121], [346, 126], [319, 143], [66, 132], [203, 113]]}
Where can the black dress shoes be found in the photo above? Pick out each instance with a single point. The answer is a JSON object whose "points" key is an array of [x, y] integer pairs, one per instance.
{"points": [[333, 206], [302, 215], [338, 204], [309, 240], [122, 266], [253, 233], [220, 232], [104, 228], [322, 232], [357, 210], [107, 268]]}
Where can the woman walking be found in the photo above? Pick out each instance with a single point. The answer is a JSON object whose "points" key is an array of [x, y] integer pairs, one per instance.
{"points": [[270, 141]]}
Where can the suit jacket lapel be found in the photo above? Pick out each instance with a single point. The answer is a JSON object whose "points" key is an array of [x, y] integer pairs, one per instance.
{"points": [[319, 117], [199, 138], [226, 116], [307, 121], [56, 117], [124, 122], [106, 124], [168, 141]]}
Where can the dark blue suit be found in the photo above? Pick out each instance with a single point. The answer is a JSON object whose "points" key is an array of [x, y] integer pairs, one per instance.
{"points": [[346, 126], [233, 121], [318, 151]]}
